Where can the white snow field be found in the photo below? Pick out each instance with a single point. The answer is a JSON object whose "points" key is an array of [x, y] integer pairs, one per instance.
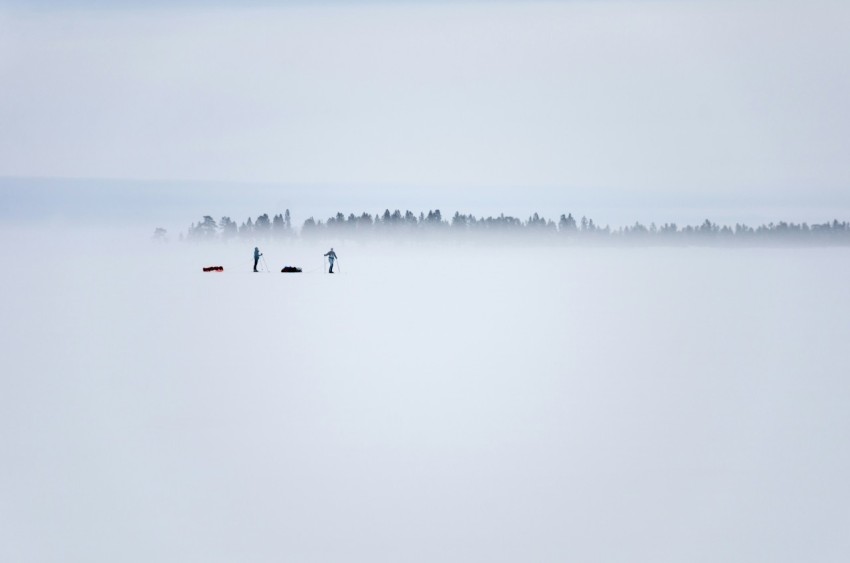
{"points": [[428, 404]]}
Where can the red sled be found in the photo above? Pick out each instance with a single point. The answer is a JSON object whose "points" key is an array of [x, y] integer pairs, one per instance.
{"points": [[214, 269]]}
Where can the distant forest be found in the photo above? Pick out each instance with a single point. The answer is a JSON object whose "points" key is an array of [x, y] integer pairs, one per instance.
{"points": [[395, 225]]}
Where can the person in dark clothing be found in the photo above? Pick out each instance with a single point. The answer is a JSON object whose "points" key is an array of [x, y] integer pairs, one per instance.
{"points": [[257, 255], [331, 257]]}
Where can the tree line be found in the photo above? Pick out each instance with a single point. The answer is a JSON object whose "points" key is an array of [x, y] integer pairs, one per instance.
{"points": [[207, 229], [408, 224]]}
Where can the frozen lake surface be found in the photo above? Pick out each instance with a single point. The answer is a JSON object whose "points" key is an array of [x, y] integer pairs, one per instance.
{"points": [[429, 403]]}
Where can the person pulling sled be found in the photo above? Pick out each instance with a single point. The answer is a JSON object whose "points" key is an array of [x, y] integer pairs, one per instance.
{"points": [[331, 257]]}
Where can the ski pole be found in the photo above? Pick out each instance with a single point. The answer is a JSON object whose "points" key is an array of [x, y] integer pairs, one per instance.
{"points": [[266, 266]]}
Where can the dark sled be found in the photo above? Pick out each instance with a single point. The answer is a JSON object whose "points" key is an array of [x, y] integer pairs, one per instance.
{"points": [[214, 269], [291, 270]]}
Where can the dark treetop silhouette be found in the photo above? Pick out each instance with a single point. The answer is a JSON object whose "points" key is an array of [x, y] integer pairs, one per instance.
{"points": [[395, 225]]}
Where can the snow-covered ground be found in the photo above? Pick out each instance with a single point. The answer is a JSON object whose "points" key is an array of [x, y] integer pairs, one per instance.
{"points": [[430, 403]]}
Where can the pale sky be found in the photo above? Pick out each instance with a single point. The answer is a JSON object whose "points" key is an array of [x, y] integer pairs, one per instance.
{"points": [[651, 100]]}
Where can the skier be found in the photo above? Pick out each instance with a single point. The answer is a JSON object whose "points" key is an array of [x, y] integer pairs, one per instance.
{"points": [[331, 257], [257, 255]]}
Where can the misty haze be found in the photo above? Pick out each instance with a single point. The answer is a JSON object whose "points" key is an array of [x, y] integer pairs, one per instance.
{"points": [[588, 301]]}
